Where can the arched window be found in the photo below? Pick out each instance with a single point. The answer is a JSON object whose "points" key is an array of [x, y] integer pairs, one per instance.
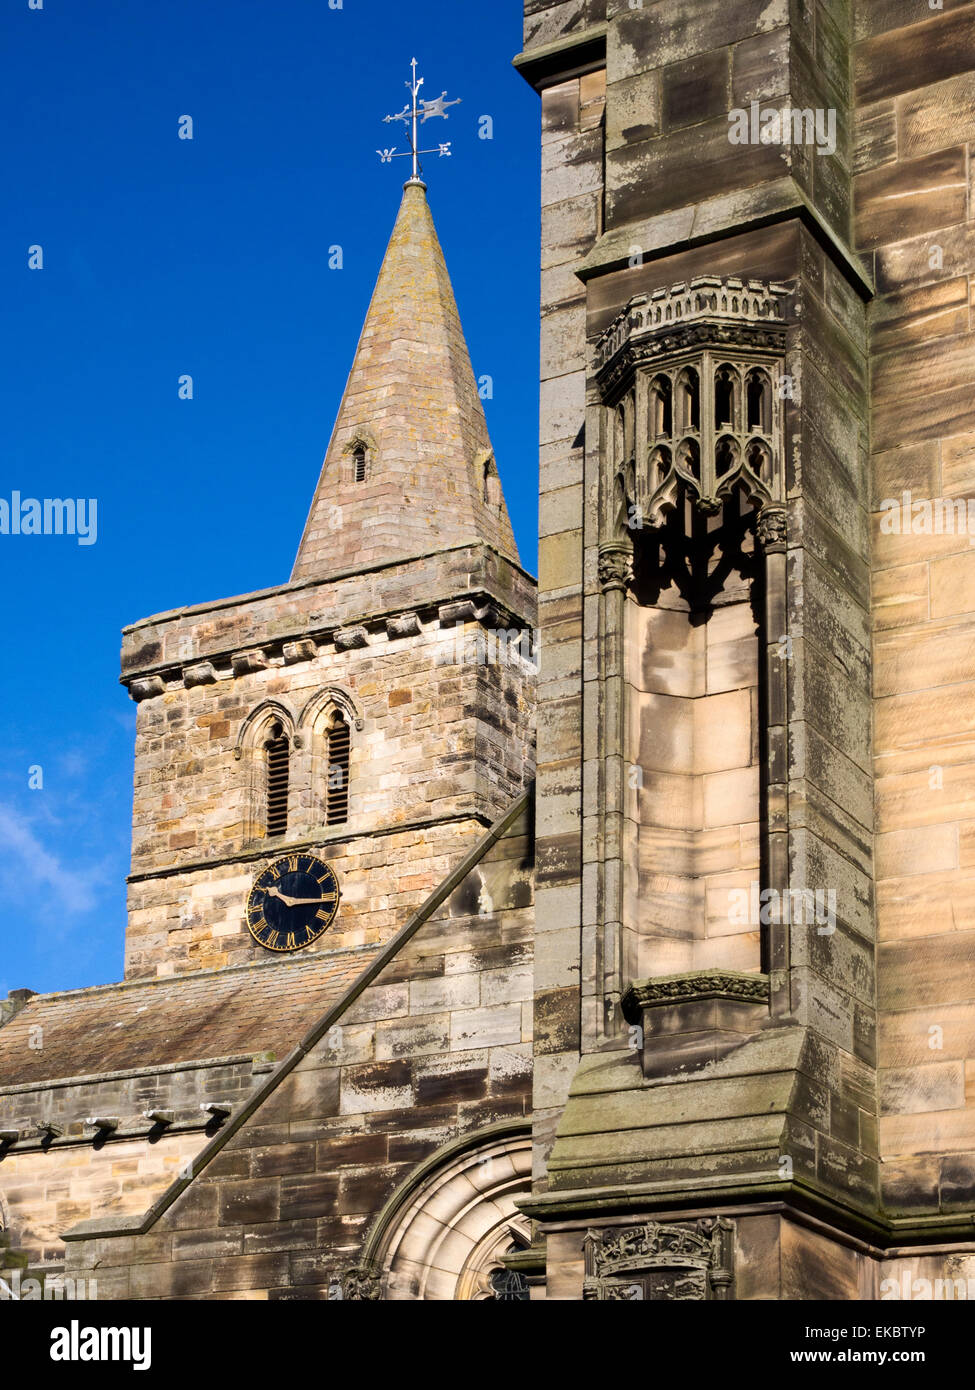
{"points": [[725, 456], [507, 1285], [443, 1236], [759, 395], [339, 741], [277, 754], [659, 465], [359, 463], [491, 483], [619, 436], [660, 408], [759, 457], [726, 398], [689, 457], [688, 401], [619, 492]]}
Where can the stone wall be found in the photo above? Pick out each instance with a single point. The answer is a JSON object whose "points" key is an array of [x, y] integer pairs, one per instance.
{"points": [[639, 197], [49, 1183], [439, 701], [915, 87], [572, 114], [435, 1047]]}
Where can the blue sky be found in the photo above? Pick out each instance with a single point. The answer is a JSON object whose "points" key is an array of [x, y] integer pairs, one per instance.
{"points": [[162, 257]]}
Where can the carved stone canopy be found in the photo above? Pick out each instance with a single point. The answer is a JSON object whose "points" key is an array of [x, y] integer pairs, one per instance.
{"points": [[693, 379], [709, 309]]}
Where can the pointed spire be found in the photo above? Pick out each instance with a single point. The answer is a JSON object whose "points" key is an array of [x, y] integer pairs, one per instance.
{"points": [[409, 468]]}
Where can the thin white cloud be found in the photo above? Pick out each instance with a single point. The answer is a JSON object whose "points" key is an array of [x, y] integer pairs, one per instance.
{"points": [[34, 876], [73, 763]]}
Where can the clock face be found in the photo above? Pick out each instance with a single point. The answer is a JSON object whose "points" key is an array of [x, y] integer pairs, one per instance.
{"points": [[292, 902]]}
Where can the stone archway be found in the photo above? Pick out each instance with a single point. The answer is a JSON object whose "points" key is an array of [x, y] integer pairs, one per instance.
{"points": [[446, 1237]]}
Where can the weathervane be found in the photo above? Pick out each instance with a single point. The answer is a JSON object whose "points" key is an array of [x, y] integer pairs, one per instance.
{"points": [[415, 114]]}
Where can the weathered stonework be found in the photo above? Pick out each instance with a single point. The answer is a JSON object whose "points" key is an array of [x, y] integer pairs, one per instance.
{"points": [[682, 763], [329, 1157], [692, 1018], [440, 745], [913, 73]]}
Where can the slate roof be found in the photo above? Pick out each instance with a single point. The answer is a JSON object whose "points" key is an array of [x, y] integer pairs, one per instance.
{"points": [[266, 1007]]}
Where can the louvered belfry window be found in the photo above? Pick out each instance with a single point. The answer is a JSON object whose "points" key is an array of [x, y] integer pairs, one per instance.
{"points": [[277, 752], [337, 794], [359, 461]]}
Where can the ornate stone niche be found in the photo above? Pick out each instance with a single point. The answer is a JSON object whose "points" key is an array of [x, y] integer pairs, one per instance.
{"points": [[692, 575], [661, 1262], [692, 376]]}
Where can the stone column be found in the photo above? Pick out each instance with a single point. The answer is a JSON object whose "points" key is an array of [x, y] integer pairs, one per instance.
{"points": [[615, 575], [771, 531]]}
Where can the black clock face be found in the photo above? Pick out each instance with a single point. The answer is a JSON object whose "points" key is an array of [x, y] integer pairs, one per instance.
{"points": [[292, 902]]}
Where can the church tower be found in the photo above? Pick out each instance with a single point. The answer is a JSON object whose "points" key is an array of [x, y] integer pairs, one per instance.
{"points": [[315, 1079], [352, 715]]}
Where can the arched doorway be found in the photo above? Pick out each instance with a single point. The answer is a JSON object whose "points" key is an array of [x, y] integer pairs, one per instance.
{"points": [[444, 1233]]}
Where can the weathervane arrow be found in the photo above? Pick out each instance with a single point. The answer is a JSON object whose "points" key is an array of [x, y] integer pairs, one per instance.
{"points": [[417, 113]]}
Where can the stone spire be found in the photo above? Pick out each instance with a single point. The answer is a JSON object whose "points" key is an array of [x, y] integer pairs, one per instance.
{"points": [[409, 468]]}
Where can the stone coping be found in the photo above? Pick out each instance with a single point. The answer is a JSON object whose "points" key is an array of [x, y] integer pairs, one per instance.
{"points": [[692, 986], [147, 981], [543, 65], [336, 835], [128, 1073], [295, 586]]}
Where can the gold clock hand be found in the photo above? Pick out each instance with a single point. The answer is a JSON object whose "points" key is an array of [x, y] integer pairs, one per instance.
{"points": [[298, 902]]}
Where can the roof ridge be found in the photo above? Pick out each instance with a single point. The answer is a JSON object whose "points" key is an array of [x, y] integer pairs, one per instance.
{"points": [[217, 972]]}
